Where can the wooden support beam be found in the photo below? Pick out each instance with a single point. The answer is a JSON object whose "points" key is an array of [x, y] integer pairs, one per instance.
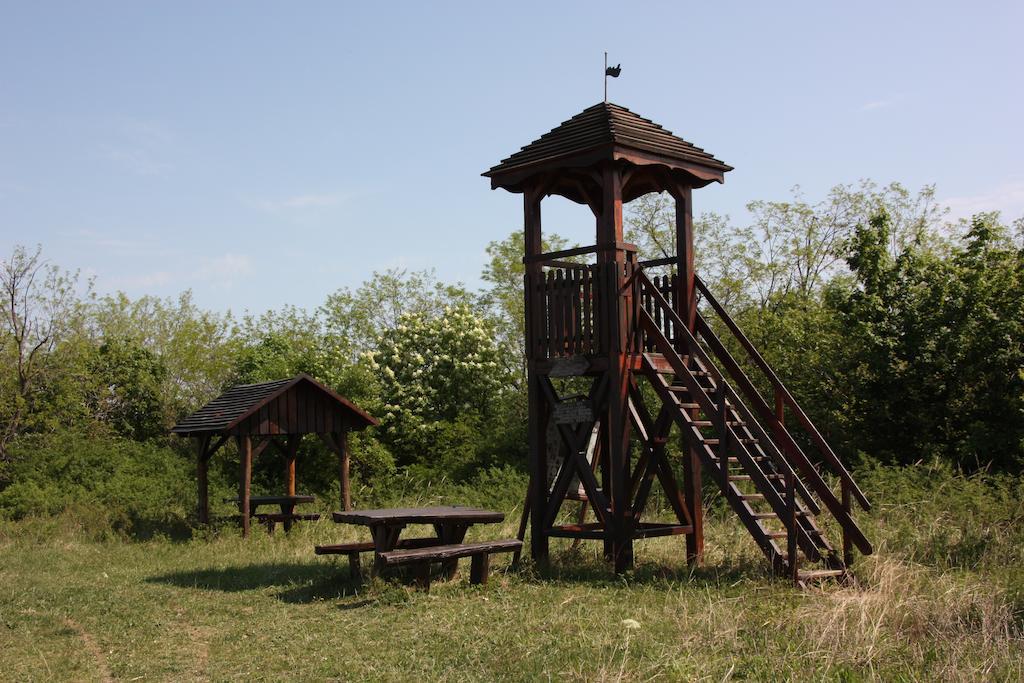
{"points": [[211, 449], [686, 308], [847, 542], [537, 424], [291, 455], [202, 481], [343, 469], [245, 479], [337, 442], [616, 469]]}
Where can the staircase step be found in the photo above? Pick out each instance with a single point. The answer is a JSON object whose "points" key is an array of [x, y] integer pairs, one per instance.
{"points": [[814, 574], [772, 515], [752, 496], [714, 442], [735, 461]]}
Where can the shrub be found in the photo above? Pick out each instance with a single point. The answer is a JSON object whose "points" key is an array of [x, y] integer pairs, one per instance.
{"points": [[129, 487]]}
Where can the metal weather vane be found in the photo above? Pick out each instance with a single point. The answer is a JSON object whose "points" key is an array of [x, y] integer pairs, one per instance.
{"points": [[612, 71]]}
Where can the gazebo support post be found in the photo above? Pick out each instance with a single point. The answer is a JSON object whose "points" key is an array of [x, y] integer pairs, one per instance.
{"points": [[290, 456], [245, 481], [338, 442], [202, 480], [343, 469], [291, 453]]}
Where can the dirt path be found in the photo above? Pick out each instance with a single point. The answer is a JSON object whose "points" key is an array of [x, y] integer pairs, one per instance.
{"points": [[93, 648]]}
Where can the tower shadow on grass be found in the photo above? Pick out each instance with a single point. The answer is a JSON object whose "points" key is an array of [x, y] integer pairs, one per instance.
{"points": [[299, 583], [574, 567]]}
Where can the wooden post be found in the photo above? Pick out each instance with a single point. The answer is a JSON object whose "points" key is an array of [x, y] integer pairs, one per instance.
{"points": [[606, 486], [291, 453], [780, 415], [537, 458], [847, 543], [293, 448], [245, 480], [524, 519], [479, 568], [202, 481], [341, 438], [686, 307], [791, 527], [609, 233], [722, 429]]}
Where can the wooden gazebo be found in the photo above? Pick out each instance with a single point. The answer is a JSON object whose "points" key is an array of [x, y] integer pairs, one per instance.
{"points": [[275, 413], [623, 323]]}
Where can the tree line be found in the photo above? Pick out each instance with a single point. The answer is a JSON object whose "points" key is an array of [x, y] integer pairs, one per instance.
{"points": [[899, 331]]}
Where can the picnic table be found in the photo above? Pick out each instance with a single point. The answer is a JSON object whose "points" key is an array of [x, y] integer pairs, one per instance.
{"points": [[286, 504], [450, 524]]}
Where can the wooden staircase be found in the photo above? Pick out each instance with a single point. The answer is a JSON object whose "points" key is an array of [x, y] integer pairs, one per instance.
{"points": [[745, 446]]}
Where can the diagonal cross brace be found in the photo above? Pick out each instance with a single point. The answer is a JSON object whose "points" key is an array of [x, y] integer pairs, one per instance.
{"points": [[576, 462]]}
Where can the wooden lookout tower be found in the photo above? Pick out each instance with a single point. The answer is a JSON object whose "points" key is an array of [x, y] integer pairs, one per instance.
{"points": [[614, 322]]}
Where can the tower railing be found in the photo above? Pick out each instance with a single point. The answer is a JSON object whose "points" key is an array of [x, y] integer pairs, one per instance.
{"points": [[568, 304]]}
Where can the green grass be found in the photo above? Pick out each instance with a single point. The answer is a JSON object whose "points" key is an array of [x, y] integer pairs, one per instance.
{"points": [[222, 608]]}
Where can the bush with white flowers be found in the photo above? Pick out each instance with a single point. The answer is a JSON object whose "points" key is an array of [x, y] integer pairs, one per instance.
{"points": [[435, 368]]}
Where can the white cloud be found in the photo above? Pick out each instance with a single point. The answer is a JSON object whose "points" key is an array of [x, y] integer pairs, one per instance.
{"points": [[139, 245], [300, 202], [1007, 198], [875, 105], [224, 269]]}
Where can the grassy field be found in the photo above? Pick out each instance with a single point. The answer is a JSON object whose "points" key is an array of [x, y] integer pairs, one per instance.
{"points": [[220, 608]]}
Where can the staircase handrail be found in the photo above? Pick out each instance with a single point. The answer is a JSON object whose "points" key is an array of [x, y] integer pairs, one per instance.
{"points": [[827, 496], [697, 352], [816, 438]]}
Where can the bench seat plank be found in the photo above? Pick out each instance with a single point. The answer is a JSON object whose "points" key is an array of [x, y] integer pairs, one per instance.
{"points": [[449, 552], [368, 546]]}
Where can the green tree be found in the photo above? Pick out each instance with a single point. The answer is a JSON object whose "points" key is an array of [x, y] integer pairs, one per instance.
{"points": [[934, 350], [41, 309], [126, 389], [195, 347]]}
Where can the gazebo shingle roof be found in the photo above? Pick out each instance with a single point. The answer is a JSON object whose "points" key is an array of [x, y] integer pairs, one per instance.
{"points": [[237, 404], [606, 125]]}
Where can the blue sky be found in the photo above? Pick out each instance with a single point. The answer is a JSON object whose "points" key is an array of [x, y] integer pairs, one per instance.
{"points": [[269, 153]]}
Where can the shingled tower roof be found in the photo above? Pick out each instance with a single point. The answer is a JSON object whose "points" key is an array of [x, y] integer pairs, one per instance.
{"points": [[607, 132]]}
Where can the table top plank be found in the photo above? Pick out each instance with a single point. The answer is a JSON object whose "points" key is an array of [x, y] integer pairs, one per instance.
{"points": [[426, 515]]}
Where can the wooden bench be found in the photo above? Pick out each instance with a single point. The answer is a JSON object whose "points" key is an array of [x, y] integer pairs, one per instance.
{"points": [[421, 558], [353, 550], [272, 518]]}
